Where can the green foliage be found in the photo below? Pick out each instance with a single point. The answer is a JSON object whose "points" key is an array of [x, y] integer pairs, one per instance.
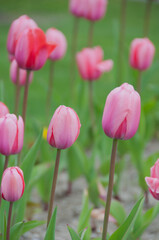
{"points": [[50, 233], [73, 234]]}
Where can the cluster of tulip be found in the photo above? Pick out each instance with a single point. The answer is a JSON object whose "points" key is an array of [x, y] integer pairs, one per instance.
{"points": [[29, 48]]}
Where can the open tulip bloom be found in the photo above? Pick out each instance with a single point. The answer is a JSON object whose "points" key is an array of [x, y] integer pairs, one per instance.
{"points": [[63, 131], [121, 118]]}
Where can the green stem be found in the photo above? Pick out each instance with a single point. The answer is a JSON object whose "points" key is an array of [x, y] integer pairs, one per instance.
{"points": [[17, 92], [122, 40], [50, 88], [53, 186], [139, 79], [25, 96], [90, 34], [5, 166], [91, 107], [73, 53], [9, 221], [110, 189], [147, 17]]}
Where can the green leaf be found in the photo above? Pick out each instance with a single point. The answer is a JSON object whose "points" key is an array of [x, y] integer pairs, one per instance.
{"points": [[118, 212], [16, 231], [73, 234], [31, 224], [50, 233], [84, 219], [93, 191], [5, 226], [122, 232]]}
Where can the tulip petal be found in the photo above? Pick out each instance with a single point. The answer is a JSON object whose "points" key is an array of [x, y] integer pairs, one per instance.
{"points": [[105, 66]]}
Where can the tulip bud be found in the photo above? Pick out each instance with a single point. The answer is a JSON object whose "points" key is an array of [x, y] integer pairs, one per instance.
{"points": [[32, 49], [12, 185], [22, 74], [153, 181], [91, 65], [95, 10], [77, 7], [3, 109], [12, 134], [122, 112], [64, 128], [142, 53], [17, 27], [56, 36]]}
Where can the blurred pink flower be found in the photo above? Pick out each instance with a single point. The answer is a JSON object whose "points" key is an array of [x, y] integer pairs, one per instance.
{"points": [[91, 65], [3, 109]]}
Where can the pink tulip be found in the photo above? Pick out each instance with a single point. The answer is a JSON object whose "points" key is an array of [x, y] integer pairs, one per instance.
{"points": [[32, 49], [122, 112], [22, 74], [77, 7], [3, 109], [91, 65], [142, 52], [12, 134], [17, 27], [12, 185], [95, 9], [153, 181], [56, 36], [64, 128]]}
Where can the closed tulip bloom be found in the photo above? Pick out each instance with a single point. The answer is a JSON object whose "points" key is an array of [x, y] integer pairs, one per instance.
{"points": [[22, 74], [153, 181], [3, 109], [95, 9], [12, 185], [64, 128], [77, 7], [56, 36], [121, 114], [91, 65], [17, 26], [32, 49], [12, 134], [142, 53]]}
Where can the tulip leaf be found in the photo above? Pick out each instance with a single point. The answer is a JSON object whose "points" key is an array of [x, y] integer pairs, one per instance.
{"points": [[123, 231], [50, 233], [16, 231], [118, 212], [73, 234], [31, 224]]}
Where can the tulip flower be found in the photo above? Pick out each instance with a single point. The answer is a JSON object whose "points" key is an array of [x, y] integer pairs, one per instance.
{"points": [[12, 133], [32, 49], [22, 74], [12, 189], [3, 109], [142, 53], [17, 27], [64, 128], [95, 9], [91, 65], [122, 112], [63, 131], [12, 185], [120, 121], [153, 181], [77, 7], [55, 36]]}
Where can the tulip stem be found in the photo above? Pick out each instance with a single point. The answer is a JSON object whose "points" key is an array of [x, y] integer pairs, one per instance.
{"points": [[110, 189], [90, 35], [53, 186], [147, 17], [17, 92], [9, 221], [50, 88], [122, 39], [139, 79], [25, 96], [91, 107], [5, 166], [73, 52]]}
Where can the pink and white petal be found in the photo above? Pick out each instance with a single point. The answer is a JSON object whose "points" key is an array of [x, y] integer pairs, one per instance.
{"points": [[105, 66]]}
